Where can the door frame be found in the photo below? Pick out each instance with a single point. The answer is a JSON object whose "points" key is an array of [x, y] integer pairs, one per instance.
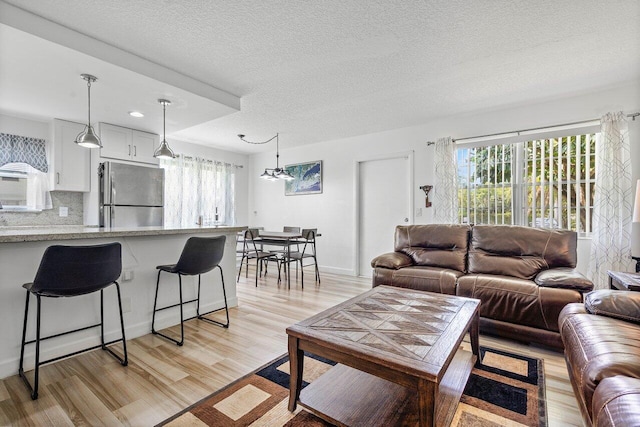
{"points": [[409, 155]]}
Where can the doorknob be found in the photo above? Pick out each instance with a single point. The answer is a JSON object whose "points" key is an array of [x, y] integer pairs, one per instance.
{"points": [[406, 220]]}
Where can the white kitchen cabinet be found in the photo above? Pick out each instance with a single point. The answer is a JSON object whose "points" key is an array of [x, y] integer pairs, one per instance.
{"points": [[70, 162], [144, 144], [127, 144]]}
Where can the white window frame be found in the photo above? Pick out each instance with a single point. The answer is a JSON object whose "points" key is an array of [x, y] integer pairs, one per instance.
{"points": [[519, 202]]}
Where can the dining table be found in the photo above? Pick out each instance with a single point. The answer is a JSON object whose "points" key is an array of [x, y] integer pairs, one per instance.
{"points": [[286, 239]]}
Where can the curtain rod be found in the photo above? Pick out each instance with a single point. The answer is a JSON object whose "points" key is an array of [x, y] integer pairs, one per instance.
{"points": [[633, 118], [218, 162]]}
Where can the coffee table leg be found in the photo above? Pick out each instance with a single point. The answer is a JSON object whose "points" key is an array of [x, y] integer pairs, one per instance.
{"points": [[474, 333], [426, 403], [296, 366]]}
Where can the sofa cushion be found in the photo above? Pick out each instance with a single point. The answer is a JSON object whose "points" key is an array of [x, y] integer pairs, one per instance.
{"points": [[435, 245], [520, 251], [430, 279], [515, 300], [597, 347], [616, 402], [617, 304], [564, 277]]}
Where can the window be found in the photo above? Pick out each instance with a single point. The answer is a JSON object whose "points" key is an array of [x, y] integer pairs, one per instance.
{"points": [[24, 184], [540, 183], [196, 187]]}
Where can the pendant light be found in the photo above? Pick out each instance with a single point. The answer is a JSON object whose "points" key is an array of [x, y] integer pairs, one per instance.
{"points": [[272, 174], [163, 151], [88, 138]]}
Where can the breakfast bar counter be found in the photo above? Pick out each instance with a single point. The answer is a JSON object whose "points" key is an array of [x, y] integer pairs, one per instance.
{"points": [[143, 248]]}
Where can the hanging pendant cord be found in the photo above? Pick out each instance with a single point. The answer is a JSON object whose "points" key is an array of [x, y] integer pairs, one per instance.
{"points": [[89, 100]]}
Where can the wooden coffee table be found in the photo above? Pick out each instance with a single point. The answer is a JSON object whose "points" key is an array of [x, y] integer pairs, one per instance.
{"points": [[398, 353]]}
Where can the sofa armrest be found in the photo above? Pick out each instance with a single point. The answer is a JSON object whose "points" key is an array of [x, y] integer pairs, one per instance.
{"points": [[393, 260], [623, 305], [616, 401], [565, 278]]}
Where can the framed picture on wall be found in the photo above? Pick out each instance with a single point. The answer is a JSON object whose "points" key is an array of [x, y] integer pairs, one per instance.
{"points": [[307, 179]]}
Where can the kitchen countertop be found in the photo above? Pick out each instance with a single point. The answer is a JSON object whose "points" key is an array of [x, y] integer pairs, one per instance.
{"points": [[73, 232]]}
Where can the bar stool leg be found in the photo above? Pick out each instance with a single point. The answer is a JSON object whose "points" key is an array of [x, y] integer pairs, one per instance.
{"points": [[36, 376], [181, 313], [226, 307], [125, 361], [155, 303], [153, 318], [34, 393]]}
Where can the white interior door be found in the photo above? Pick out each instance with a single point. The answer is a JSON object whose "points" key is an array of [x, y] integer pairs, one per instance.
{"points": [[384, 188]]}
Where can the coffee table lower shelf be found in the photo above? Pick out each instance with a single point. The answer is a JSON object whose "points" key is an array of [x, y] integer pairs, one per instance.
{"points": [[348, 397]]}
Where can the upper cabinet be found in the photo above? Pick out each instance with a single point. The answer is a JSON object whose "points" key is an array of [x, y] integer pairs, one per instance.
{"points": [[71, 163], [128, 144]]}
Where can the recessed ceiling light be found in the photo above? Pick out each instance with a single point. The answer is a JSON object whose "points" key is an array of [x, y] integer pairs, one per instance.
{"points": [[136, 114]]}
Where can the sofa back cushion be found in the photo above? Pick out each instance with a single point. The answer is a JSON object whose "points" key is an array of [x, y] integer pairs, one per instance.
{"points": [[435, 245], [520, 251]]}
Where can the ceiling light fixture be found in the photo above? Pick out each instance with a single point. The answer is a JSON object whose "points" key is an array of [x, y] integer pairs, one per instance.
{"points": [[88, 138], [136, 114], [275, 173], [163, 151]]}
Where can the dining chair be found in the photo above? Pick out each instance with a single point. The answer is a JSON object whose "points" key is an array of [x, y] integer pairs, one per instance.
{"points": [[250, 251], [287, 229], [308, 252], [199, 255], [70, 271]]}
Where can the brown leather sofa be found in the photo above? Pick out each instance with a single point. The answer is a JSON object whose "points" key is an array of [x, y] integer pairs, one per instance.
{"points": [[523, 276], [602, 351]]}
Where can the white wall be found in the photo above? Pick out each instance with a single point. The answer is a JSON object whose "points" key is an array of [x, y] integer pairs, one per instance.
{"points": [[24, 127], [333, 211]]}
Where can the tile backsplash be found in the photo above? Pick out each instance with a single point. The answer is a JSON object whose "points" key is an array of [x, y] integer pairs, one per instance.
{"points": [[70, 199]]}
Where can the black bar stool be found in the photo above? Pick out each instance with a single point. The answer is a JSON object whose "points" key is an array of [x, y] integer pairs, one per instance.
{"points": [[69, 271], [199, 255]]}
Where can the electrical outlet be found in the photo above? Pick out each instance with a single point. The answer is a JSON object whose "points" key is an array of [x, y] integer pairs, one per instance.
{"points": [[63, 211], [127, 275], [418, 212]]}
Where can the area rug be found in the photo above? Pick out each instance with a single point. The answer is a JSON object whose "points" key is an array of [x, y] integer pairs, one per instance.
{"points": [[506, 390]]}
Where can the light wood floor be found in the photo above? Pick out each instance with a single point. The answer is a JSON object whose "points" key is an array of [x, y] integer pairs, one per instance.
{"points": [[162, 378]]}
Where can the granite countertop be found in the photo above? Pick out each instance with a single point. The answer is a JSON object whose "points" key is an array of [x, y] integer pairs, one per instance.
{"points": [[73, 232]]}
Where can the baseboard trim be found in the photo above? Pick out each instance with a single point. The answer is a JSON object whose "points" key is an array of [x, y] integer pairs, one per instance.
{"points": [[164, 320]]}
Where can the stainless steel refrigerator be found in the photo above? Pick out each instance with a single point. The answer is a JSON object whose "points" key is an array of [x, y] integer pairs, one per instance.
{"points": [[131, 195]]}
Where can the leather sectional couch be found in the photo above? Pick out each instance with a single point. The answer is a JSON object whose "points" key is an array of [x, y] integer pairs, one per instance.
{"points": [[523, 276], [602, 351]]}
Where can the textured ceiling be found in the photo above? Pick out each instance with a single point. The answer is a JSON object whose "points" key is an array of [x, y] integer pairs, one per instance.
{"points": [[322, 70]]}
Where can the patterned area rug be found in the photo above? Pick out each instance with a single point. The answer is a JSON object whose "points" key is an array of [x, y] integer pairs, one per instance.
{"points": [[507, 390]]}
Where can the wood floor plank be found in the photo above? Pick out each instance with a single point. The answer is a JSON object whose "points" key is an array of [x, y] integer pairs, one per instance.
{"points": [[162, 378]]}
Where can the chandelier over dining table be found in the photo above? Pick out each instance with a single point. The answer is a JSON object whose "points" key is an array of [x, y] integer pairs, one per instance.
{"points": [[272, 174]]}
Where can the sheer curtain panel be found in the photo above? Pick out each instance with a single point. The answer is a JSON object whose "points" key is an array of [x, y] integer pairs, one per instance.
{"points": [[611, 242], [197, 187], [445, 189]]}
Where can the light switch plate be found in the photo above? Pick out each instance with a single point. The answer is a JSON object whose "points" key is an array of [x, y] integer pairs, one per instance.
{"points": [[63, 211]]}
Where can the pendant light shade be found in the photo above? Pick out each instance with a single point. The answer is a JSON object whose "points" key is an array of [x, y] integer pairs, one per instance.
{"points": [[276, 173], [163, 151], [88, 138]]}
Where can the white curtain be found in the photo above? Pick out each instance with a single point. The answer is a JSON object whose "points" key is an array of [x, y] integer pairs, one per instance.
{"points": [[197, 187], [445, 188], [611, 242]]}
